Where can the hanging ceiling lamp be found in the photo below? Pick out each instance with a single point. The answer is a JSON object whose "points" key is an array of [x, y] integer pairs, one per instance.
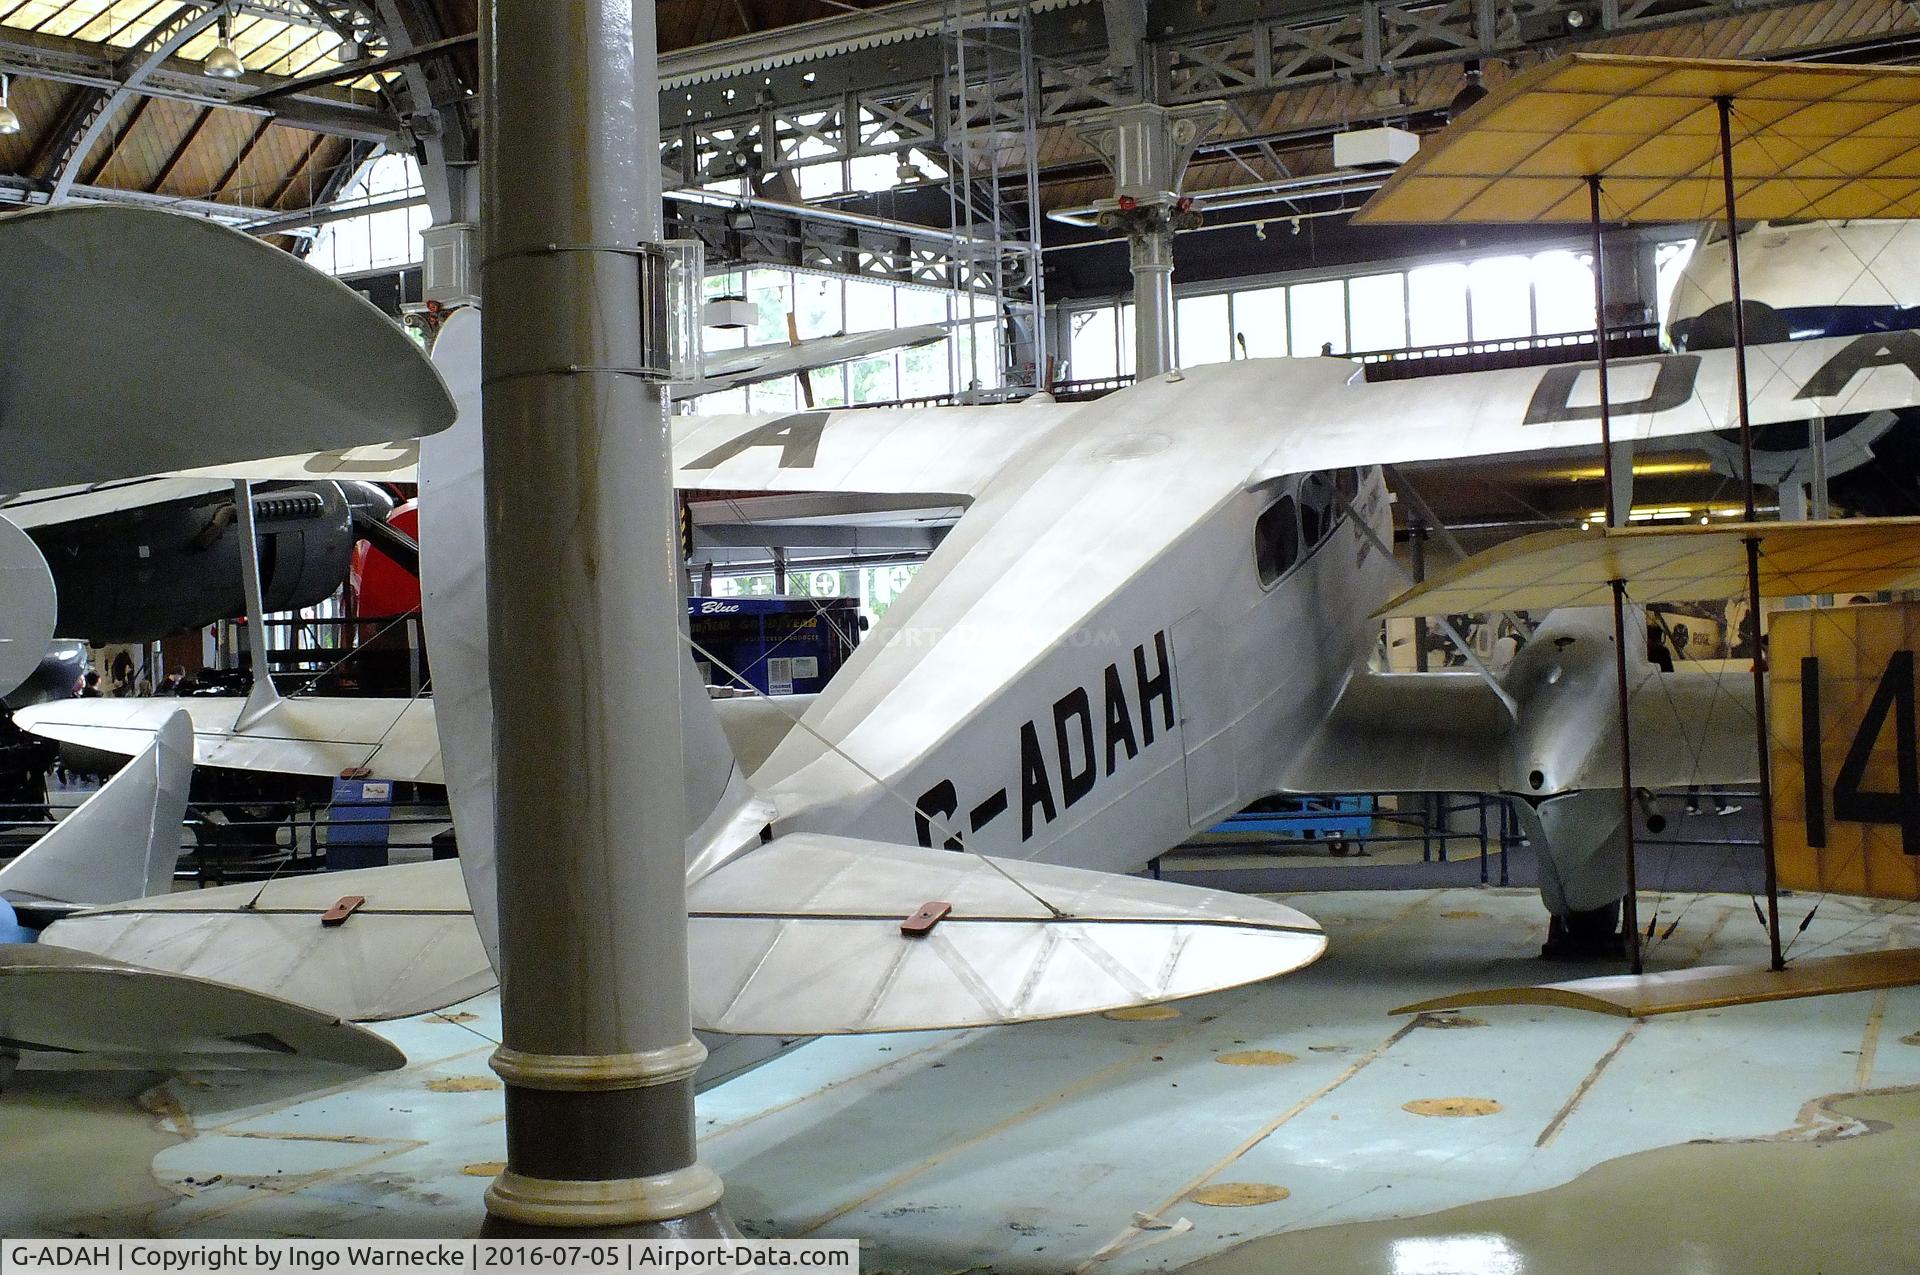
{"points": [[223, 63], [9, 120]]}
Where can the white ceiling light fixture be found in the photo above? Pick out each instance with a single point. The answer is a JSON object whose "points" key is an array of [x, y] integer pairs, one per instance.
{"points": [[223, 63], [9, 119]]}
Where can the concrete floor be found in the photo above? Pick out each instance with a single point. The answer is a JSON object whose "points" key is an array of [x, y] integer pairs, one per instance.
{"points": [[1288, 1126]]}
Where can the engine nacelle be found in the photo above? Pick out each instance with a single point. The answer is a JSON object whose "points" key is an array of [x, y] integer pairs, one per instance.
{"points": [[140, 574], [1565, 675]]}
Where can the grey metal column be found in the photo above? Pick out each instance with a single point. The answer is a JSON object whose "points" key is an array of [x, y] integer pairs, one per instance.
{"points": [[1147, 148], [1150, 257], [598, 1054]]}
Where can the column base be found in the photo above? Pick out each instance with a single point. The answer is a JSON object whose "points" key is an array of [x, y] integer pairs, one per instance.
{"points": [[682, 1202], [711, 1223]]}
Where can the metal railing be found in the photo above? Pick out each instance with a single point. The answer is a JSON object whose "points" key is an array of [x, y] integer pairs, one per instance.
{"points": [[1428, 818], [1436, 360], [226, 842]]}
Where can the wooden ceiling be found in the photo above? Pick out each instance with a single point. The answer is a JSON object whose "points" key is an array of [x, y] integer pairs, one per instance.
{"points": [[179, 150]]}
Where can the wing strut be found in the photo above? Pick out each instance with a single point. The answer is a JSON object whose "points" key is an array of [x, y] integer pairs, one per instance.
{"points": [[263, 698], [1386, 551], [1405, 486]]}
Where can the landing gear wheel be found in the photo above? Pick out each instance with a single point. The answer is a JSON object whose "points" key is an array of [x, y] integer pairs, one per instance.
{"points": [[1585, 936]]}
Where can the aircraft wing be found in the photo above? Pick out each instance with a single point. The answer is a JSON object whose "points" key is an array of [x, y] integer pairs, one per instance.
{"points": [[728, 369], [949, 451], [322, 735], [1434, 732], [122, 842], [1570, 567], [387, 462], [227, 349], [801, 937], [1448, 732], [1330, 424]]}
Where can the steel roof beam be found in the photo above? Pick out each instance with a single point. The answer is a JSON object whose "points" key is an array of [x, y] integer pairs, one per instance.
{"points": [[24, 190], [874, 60], [339, 112], [167, 38]]}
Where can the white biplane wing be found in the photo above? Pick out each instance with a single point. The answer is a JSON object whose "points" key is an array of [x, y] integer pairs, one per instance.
{"points": [[730, 369], [199, 365], [1323, 424]]}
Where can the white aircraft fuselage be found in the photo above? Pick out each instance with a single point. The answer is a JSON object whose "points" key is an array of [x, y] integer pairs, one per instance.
{"points": [[1097, 661]]}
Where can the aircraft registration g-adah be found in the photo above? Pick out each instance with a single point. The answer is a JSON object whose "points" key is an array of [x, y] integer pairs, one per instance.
{"points": [[1156, 609]]}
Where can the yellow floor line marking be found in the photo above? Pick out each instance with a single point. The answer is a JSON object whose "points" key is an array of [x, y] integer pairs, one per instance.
{"points": [[1559, 1120], [1253, 1140], [1089, 1081], [1870, 1040]]}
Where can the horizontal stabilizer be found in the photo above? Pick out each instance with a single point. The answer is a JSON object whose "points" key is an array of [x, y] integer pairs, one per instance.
{"points": [[307, 735], [67, 1009], [1672, 564], [324, 735], [124, 841], [1703, 987], [803, 937], [208, 358], [409, 949]]}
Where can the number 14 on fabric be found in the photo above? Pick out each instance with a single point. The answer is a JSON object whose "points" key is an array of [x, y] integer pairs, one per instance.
{"points": [[1846, 757]]}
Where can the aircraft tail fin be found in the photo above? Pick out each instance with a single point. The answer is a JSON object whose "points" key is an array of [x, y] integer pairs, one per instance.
{"points": [[867, 936], [124, 841], [453, 576]]}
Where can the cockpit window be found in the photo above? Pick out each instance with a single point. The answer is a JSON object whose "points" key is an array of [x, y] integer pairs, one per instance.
{"points": [[1276, 539]]}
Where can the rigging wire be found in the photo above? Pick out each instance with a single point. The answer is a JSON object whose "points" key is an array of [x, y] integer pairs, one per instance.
{"points": [[935, 823]]}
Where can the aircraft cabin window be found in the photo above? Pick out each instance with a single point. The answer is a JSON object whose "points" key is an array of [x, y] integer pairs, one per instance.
{"points": [[1276, 540], [1316, 509]]}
